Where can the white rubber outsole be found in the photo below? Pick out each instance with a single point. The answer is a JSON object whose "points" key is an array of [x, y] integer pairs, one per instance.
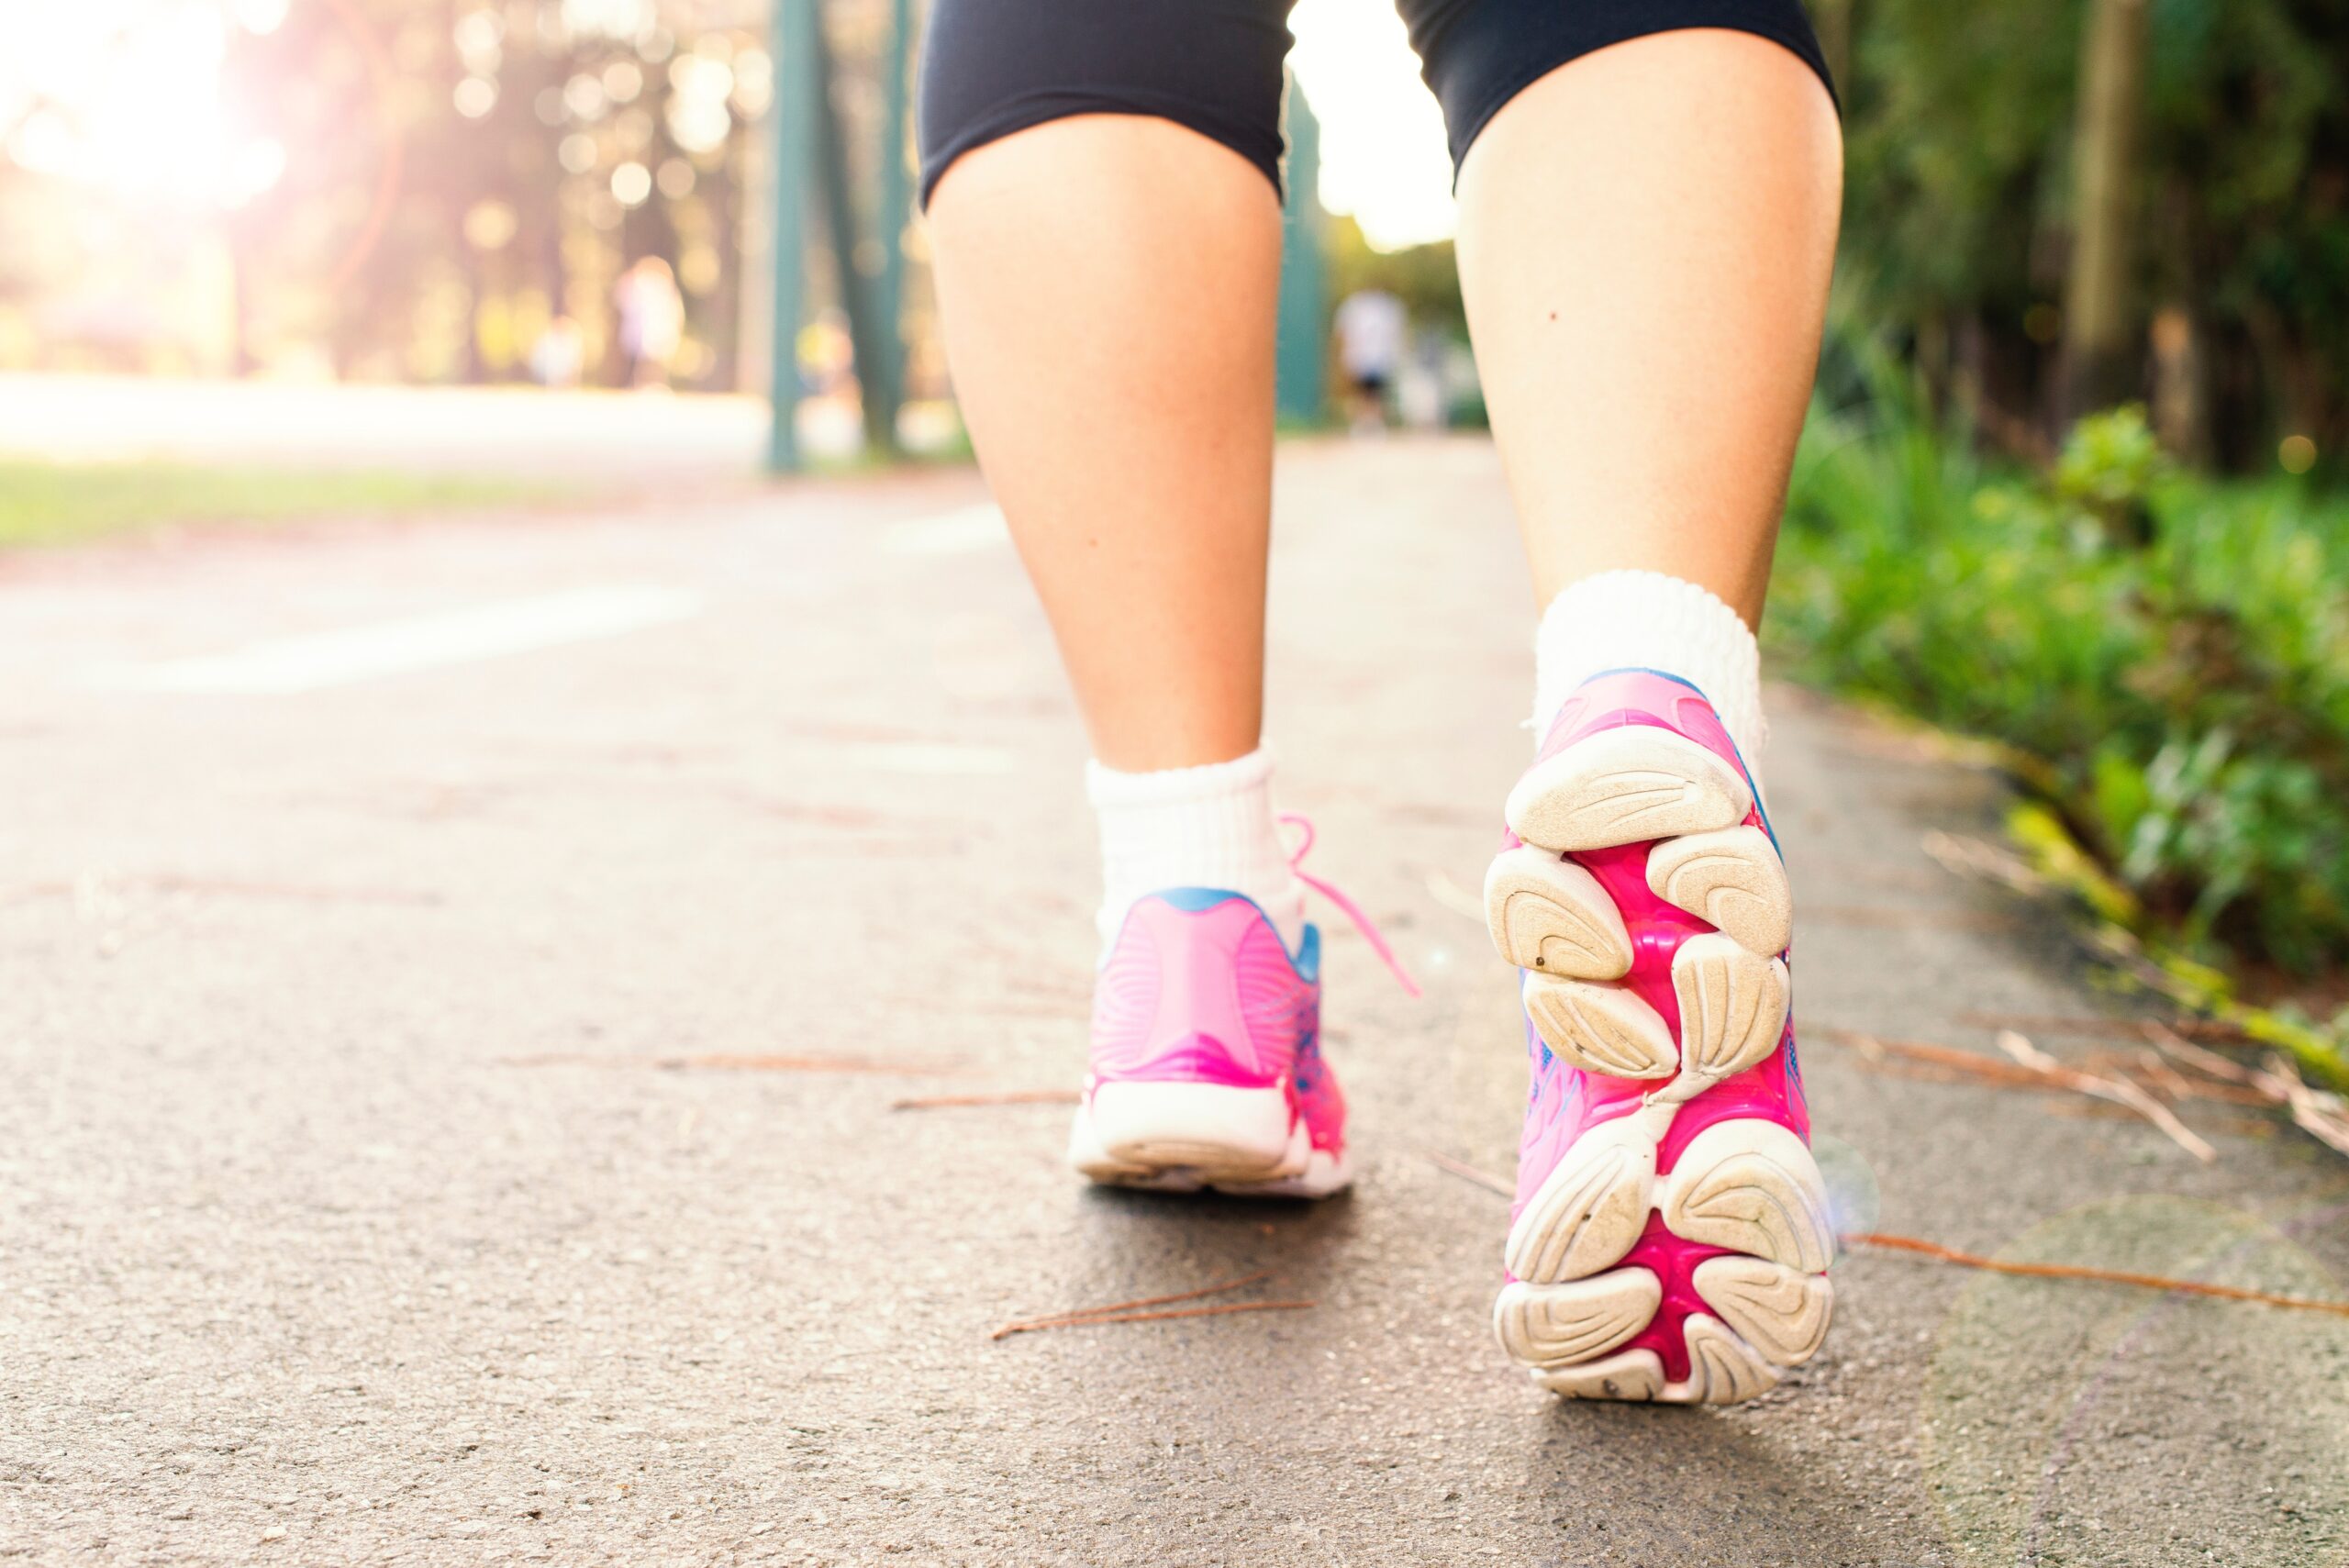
{"points": [[1621, 787], [1732, 1010], [1745, 1184], [1180, 1138], [1602, 1028], [1731, 878], [1551, 917]]}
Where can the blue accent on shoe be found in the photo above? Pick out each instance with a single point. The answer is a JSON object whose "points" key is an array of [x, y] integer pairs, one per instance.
{"points": [[1646, 669], [1191, 900], [1305, 961]]}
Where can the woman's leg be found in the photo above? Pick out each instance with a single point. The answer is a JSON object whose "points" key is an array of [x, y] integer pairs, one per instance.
{"points": [[1108, 285], [1106, 222], [1645, 238], [1646, 232]]}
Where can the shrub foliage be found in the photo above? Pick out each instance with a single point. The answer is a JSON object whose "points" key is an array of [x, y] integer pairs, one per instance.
{"points": [[2169, 653]]}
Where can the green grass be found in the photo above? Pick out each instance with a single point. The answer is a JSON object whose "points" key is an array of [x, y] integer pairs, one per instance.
{"points": [[2164, 657], [54, 504]]}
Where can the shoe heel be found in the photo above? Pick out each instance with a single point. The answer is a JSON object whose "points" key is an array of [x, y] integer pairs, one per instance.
{"points": [[1213, 1132], [1622, 786]]}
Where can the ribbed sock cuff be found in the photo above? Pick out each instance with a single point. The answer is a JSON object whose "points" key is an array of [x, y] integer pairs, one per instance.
{"points": [[1204, 826], [1646, 620]]}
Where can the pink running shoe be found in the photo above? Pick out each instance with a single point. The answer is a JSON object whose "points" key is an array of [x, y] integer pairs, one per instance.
{"points": [[1670, 1237], [1207, 1066]]}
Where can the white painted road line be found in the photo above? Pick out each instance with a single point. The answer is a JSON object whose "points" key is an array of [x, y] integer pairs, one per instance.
{"points": [[310, 664], [949, 533]]}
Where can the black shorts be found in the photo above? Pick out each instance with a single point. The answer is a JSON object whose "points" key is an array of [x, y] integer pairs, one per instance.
{"points": [[993, 67]]}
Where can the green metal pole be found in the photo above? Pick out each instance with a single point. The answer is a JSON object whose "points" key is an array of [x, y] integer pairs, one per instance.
{"points": [[1301, 354], [856, 284], [889, 385], [796, 86]]}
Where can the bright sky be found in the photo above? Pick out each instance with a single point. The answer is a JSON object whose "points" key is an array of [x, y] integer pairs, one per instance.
{"points": [[142, 79], [1383, 156]]}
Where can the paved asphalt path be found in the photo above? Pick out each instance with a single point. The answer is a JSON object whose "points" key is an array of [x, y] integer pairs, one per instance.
{"points": [[380, 909]]}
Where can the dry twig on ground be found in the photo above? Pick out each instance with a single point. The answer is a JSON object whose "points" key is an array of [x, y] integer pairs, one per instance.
{"points": [[1468, 1173], [2320, 1113], [1132, 1311], [1010, 1097], [2029, 1069], [2120, 1090], [2103, 1277], [1455, 897], [2103, 1028], [1978, 857]]}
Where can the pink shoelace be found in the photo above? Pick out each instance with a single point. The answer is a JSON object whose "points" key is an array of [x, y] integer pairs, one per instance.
{"points": [[1345, 905]]}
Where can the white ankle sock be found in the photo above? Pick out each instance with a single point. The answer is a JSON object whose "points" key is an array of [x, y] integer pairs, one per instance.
{"points": [[1205, 827], [1646, 621]]}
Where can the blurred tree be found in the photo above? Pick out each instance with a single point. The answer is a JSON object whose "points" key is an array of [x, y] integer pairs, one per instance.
{"points": [[453, 175], [1832, 21], [2100, 291], [1960, 232], [461, 173]]}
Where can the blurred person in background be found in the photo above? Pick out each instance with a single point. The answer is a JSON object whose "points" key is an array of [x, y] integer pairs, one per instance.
{"points": [[1422, 385], [653, 320], [1648, 201], [1371, 326], [560, 353]]}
